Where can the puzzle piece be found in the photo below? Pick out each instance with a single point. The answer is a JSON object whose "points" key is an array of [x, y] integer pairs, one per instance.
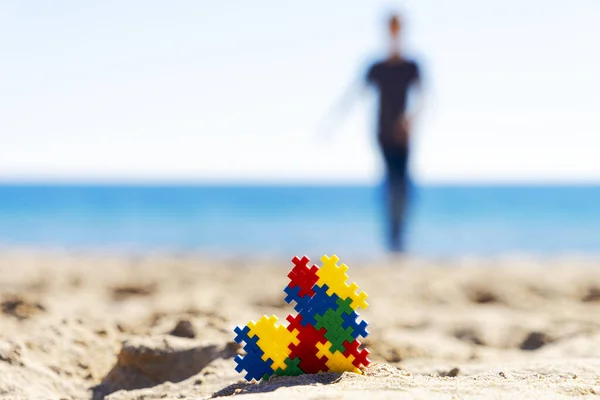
{"points": [[335, 333], [252, 361], [335, 278], [274, 339], [303, 277], [318, 304], [350, 319], [306, 350], [360, 357], [242, 336], [292, 368], [293, 296], [306, 333], [336, 361], [322, 337], [344, 306], [254, 365], [310, 362], [359, 300], [359, 329], [309, 307]]}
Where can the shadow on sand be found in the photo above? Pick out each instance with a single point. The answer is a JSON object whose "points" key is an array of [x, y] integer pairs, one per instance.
{"points": [[277, 382]]}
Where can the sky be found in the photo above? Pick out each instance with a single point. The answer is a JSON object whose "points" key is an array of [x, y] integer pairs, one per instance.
{"points": [[239, 91]]}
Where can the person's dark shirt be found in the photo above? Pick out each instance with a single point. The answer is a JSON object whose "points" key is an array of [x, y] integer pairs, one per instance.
{"points": [[393, 79]]}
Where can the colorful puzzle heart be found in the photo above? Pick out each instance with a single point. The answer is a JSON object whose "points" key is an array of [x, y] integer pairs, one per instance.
{"points": [[322, 337]]}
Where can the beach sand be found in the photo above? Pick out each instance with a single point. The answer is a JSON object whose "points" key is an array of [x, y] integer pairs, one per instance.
{"points": [[159, 326]]}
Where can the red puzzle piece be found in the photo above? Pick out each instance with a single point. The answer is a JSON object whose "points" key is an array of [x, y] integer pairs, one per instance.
{"points": [[309, 362], [307, 350], [360, 357], [306, 333], [303, 276]]}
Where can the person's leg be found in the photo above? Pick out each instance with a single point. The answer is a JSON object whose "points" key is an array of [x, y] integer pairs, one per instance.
{"points": [[396, 207], [396, 164]]}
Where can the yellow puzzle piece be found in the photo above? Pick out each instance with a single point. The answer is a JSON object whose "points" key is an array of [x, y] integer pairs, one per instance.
{"points": [[336, 361], [274, 340], [335, 278]]}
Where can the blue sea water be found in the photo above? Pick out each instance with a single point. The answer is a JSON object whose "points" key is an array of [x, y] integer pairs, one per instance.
{"points": [[284, 220]]}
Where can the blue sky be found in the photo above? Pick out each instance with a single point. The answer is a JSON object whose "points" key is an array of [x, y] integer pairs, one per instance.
{"points": [[237, 90]]}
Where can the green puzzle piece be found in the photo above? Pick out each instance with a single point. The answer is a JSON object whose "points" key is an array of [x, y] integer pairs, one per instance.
{"points": [[332, 322], [292, 368], [344, 306]]}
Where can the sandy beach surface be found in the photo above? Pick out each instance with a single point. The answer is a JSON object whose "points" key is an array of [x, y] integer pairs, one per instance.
{"points": [[159, 326]]}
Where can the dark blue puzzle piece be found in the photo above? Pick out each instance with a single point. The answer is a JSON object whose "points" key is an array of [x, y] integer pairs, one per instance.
{"points": [[302, 303], [309, 307], [254, 366], [318, 305], [252, 362], [358, 329], [242, 335], [293, 295]]}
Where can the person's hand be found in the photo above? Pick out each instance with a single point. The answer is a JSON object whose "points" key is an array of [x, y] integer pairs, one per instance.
{"points": [[402, 131], [406, 124]]}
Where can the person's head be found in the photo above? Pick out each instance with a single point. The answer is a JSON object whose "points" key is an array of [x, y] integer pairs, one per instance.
{"points": [[394, 25], [394, 28]]}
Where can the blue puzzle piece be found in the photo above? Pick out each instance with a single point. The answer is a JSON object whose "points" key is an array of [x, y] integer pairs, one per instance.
{"points": [[358, 329], [318, 305], [254, 366], [293, 295], [253, 348], [252, 362], [242, 335], [309, 307], [302, 303]]}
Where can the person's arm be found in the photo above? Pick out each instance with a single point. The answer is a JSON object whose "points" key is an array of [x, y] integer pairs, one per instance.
{"points": [[354, 92], [415, 103]]}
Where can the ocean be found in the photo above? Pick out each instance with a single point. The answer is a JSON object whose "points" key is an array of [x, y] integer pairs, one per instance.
{"points": [[289, 220]]}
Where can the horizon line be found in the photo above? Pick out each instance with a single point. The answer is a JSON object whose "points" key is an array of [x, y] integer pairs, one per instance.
{"points": [[290, 183]]}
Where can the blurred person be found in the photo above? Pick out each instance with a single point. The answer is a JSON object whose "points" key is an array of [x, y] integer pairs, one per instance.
{"points": [[394, 78]]}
